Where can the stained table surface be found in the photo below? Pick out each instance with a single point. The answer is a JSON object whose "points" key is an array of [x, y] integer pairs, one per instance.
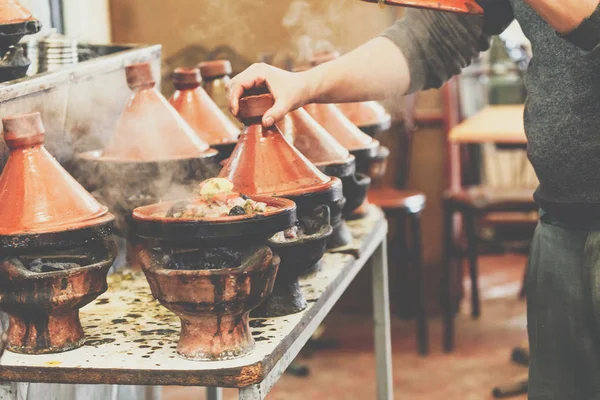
{"points": [[131, 339]]}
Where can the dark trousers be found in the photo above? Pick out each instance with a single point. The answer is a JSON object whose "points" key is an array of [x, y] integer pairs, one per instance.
{"points": [[563, 312]]}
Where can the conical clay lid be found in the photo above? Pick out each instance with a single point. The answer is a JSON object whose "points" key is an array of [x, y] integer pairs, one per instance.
{"points": [[264, 162], [12, 12], [37, 195], [341, 128], [366, 113], [149, 128], [312, 139], [199, 110]]}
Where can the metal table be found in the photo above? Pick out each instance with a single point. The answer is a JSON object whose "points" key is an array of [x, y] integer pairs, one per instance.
{"points": [[131, 339]]}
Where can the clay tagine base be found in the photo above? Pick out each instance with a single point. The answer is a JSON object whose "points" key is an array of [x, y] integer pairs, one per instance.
{"points": [[43, 307], [213, 304], [299, 256]]}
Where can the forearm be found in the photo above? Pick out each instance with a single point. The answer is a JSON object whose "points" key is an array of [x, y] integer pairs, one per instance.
{"points": [[377, 70], [564, 15]]}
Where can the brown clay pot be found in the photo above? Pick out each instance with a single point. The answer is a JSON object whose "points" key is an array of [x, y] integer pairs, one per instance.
{"points": [[455, 6], [265, 163], [332, 159], [154, 222], [369, 116], [43, 308], [38, 196], [299, 256], [15, 22], [12, 12], [153, 154], [149, 128], [341, 128], [312, 139], [213, 304], [201, 112]]}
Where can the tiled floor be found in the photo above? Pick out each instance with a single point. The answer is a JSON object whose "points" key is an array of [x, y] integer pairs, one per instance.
{"points": [[480, 362]]}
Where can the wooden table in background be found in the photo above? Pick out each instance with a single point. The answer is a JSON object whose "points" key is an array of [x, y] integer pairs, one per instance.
{"points": [[501, 124]]}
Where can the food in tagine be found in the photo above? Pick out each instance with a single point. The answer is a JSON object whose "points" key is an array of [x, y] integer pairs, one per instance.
{"points": [[215, 199]]}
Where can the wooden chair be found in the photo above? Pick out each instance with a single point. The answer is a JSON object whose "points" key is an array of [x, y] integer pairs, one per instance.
{"points": [[472, 203], [402, 206]]}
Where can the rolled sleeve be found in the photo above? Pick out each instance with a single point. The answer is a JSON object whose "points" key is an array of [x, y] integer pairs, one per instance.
{"points": [[438, 45]]}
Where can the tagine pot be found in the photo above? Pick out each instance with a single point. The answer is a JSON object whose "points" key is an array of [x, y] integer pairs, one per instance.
{"points": [[202, 113], [15, 22], [365, 149], [153, 154], [265, 163], [42, 205], [331, 158], [53, 255], [369, 116], [299, 256], [211, 272]]}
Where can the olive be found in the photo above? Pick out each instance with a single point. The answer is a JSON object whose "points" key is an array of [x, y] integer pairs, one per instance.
{"points": [[237, 210]]}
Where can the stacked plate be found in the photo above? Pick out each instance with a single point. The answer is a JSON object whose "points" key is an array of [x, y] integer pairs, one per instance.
{"points": [[57, 51]]}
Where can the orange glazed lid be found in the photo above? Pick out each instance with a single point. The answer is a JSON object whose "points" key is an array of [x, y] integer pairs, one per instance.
{"points": [[265, 163], [199, 110], [341, 128], [12, 12], [36, 193], [149, 128], [312, 139]]}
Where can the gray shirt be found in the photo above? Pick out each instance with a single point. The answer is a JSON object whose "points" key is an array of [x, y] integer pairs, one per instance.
{"points": [[562, 115]]}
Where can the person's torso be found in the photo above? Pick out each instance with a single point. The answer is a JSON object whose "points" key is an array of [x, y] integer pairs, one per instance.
{"points": [[562, 117]]}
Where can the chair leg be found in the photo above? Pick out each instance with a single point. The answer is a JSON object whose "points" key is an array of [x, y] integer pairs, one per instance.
{"points": [[473, 268], [417, 264], [447, 298]]}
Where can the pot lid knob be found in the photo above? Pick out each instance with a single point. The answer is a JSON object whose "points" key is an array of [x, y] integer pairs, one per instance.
{"points": [[23, 130], [215, 68], [186, 78], [139, 76], [255, 106]]}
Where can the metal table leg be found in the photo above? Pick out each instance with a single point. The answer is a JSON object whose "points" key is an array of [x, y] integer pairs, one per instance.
{"points": [[214, 393], [381, 316], [253, 392]]}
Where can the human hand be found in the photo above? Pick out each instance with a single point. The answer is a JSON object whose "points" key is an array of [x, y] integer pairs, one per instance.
{"points": [[290, 90]]}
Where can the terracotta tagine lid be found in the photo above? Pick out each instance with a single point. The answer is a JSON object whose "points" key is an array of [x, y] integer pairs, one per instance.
{"points": [[341, 128], [149, 128], [199, 110], [11, 12], [215, 68], [264, 162], [366, 113], [37, 195], [312, 139], [456, 6]]}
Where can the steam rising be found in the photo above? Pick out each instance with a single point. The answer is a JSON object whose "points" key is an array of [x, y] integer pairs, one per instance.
{"points": [[311, 30]]}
